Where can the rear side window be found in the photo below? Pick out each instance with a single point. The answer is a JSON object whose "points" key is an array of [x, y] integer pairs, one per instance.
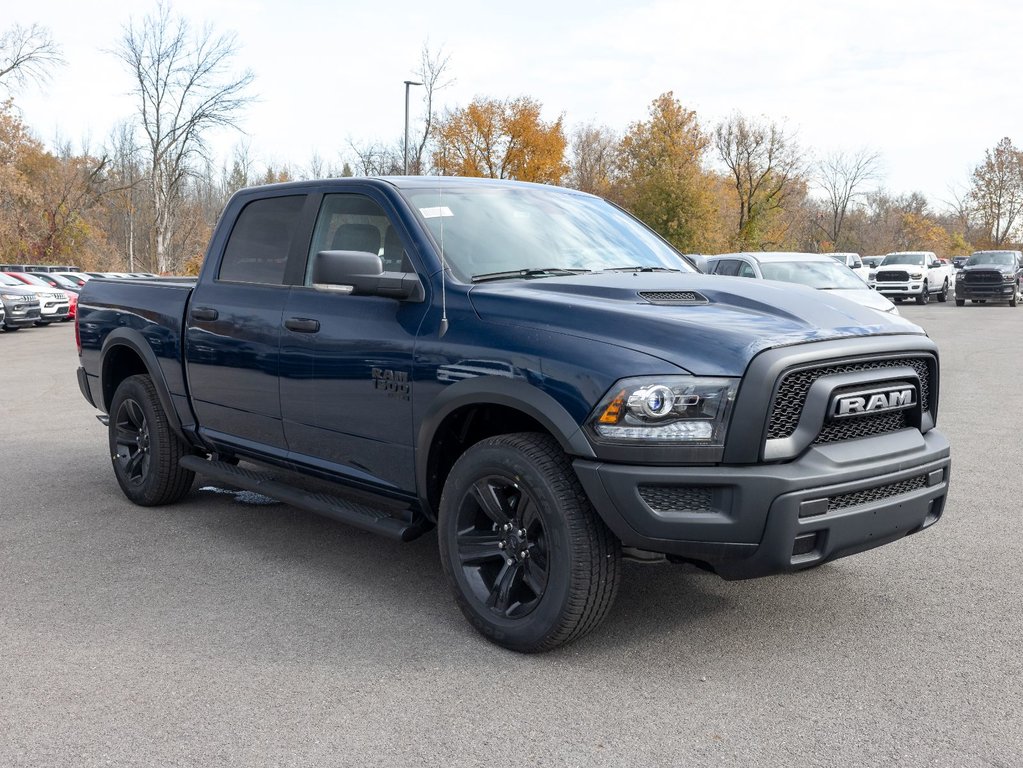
{"points": [[745, 270], [727, 267], [257, 250]]}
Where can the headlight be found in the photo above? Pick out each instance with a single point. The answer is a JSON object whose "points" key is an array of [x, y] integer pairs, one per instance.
{"points": [[667, 410], [872, 274], [1009, 278], [13, 297], [960, 275], [917, 276]]}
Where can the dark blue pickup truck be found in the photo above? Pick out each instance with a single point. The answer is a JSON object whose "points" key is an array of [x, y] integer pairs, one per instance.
{"points": [[531, 371]]}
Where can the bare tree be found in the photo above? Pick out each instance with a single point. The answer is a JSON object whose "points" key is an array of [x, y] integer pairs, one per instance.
{"points": [[593, 152], [184, 86], [432, 73], [842, 177], [997, 190], [766, 167], [27, 53]]}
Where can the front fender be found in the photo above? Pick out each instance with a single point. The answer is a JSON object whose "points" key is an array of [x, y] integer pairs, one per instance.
{"points": [[498, 390]]}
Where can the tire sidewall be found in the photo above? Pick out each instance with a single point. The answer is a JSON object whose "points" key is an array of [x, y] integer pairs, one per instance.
{"points": [[530, 630]]}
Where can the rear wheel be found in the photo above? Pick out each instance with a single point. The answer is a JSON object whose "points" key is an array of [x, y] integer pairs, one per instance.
{"points": [[143, 447], [530, 563]]}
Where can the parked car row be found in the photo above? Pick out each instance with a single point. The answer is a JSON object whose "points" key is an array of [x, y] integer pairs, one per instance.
{"points": [[28, 300], [820, 271]]}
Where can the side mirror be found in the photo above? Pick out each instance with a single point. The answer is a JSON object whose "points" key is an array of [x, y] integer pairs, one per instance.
{"points": [[361, 273]]}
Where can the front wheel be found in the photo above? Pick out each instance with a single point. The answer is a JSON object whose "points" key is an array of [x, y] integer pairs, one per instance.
{"points": [[943, 294], [1015, 297], [530, 563], [924, 296], [144, 450], [960, 302]]}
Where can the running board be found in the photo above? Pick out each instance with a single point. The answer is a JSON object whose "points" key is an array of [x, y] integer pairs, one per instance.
{"points": [[353, 513]]}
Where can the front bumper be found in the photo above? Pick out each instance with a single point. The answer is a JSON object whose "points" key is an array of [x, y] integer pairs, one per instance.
{"points": [[913, 288], [21, 318], [991, 291], [52, 312], [748, 521]]}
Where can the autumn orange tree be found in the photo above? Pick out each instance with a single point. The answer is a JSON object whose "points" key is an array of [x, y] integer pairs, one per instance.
{"points": [[662, 178], [501, 140]]}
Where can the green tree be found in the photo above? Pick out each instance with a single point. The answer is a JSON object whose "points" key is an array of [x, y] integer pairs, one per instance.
{"points": [[661, 174]]}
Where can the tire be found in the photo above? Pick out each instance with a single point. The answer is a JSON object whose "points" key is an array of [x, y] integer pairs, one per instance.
{"points": [[960, 302], [143, 448], [924, 296], [1015, 297], [11, 328], [943, 294], [530, 563]]}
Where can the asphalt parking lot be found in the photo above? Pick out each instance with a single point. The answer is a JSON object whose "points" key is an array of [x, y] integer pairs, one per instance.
{"points": [[219, 632]]}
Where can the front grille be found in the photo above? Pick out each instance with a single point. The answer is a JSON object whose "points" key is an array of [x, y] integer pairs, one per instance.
{"points": [[673, 297], [986, 277], [880, 493], [892, 276], [677, 498], [863, 426], [790, 396]]}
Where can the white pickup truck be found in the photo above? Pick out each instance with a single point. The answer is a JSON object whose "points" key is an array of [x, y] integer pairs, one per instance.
{"points": [[913, 274]]}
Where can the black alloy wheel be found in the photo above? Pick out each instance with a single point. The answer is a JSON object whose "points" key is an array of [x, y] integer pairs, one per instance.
{"points": [[501, 546], [924, 296], [1015, 296], [943, 294], [530, 563], [131, 437]]}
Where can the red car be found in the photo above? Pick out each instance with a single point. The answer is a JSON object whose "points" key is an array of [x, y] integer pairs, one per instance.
{"points": [[41, 279]]}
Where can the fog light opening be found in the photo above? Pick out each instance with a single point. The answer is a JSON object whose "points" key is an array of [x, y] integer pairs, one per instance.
{"points": [[807, 546]]}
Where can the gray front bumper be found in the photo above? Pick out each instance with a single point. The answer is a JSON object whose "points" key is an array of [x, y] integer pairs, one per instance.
{"points": [[834, 500]]}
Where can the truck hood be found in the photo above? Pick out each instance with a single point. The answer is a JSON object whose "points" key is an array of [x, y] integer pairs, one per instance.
{"points": [[727, 322]]}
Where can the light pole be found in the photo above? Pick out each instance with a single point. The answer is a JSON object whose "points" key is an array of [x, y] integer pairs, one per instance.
{"points": [[405, 145]]}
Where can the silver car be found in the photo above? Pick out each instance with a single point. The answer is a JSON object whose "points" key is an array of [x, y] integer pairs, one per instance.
{"points": [[810, 269]]}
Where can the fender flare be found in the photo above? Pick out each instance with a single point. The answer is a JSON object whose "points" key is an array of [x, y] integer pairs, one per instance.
{"points": [[136, 342], [498, 390]]}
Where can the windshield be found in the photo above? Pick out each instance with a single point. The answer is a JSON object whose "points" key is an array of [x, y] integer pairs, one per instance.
{"points": [[11, 281], [35, 280], [999, 258], [914, 259], [823, 275], [487, 230]]}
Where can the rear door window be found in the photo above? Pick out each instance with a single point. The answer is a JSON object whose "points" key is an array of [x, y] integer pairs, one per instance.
{"points": [[257, 251]]}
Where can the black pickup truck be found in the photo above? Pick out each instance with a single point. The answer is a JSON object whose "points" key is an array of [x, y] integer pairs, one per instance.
{"points": [[531, 371], [990, 276]]}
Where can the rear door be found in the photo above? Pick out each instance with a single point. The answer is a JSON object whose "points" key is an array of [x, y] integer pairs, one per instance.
{"points": [[232, 341], [346, 361]]}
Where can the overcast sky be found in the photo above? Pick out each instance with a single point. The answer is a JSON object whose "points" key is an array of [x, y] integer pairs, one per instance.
{"points": [[930, 85]]}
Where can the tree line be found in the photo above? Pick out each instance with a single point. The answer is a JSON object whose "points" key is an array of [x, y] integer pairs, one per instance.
{"points": [[148, 198]]}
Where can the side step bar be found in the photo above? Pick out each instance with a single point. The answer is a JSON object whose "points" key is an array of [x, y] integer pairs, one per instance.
{"points": [[353, 513]]}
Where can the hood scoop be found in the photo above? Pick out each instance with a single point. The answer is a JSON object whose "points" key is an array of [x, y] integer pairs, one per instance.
{"points": [[674, 298]]}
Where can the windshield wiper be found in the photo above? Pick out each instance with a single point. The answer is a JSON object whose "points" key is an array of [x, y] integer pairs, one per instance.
{"points": [[536, 272], [640, 269]]}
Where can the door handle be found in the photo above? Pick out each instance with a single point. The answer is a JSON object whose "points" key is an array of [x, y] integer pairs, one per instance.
{"points": [[204, 313], [302, 325]]}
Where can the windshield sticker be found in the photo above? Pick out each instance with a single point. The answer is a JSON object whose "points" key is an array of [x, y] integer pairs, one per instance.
{"points": [[436, 212]]}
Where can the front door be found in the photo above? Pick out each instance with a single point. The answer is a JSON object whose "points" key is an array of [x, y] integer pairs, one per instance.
{"points": [[346, 361]]}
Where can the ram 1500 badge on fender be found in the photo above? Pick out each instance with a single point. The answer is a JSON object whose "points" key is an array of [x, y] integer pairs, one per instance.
{"points": [[530, 371]]}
